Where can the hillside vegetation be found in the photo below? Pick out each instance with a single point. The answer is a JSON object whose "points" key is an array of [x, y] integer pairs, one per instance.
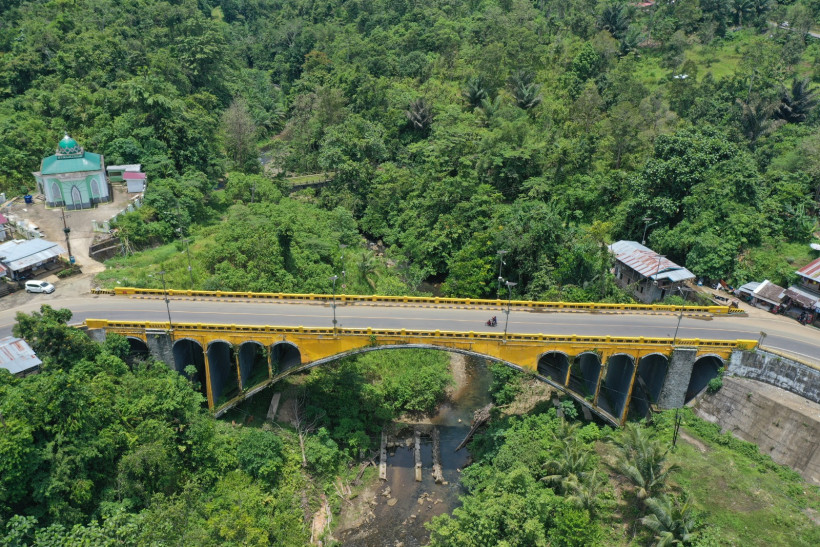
{"points": [[453, 130]]}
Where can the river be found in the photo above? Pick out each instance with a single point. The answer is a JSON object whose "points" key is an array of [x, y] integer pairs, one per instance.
{"points": [[400, 506]]}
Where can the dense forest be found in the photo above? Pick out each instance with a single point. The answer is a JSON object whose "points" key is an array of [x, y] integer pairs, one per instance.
{"points": [[451, 130]]}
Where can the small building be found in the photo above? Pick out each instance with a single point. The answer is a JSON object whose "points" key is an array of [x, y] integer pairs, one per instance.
{"points": [[26, 257], [747, 291], [115, 172], [646, 274], [134, 182], [806, 295], [17, 357], [73, 178], [6, 229], [768, 296]]}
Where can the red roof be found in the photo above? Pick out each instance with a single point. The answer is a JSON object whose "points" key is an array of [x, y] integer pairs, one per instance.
{"points": [[133, 176], [811, 270]]}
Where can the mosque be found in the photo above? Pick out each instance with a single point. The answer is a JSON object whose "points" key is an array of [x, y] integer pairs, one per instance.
{"points": [[73, 178]]}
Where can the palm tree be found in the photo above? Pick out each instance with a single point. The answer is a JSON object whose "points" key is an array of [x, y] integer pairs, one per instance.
{"points": [[796, 105], [739, 8], [615, 19], [490, 107], [643, 460], [587, 494], [475, 92], [368, 268], [419, 114], [630, 42], [569, 468], [756, 117], [672, 521], [526, 93]]}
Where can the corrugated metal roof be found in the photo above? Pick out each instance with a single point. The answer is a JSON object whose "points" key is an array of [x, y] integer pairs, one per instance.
{"points": [[748, 288], [648, 263], [19, 254], [17, 356], [54, 165], [133, 176], [811, 270], [805, 298], [133, 167], [771, 293]]}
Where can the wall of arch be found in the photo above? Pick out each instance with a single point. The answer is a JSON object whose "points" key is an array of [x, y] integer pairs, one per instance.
{"points": [[189, 352], [253, 364], [615, 387], [555, 366], [585, 373], [284, 356], [223, 371], [705, 368], [652, 370]]}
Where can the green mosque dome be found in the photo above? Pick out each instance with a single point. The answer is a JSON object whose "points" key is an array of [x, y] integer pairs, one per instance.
{"points": [[68, 146]]}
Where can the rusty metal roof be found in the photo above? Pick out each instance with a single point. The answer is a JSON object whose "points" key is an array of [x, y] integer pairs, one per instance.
{"points": [[803, 297], [811, 270], [771, 293], [16, 355], [648, 263]]}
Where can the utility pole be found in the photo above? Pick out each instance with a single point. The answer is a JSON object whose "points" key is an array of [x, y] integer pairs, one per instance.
{"points": [[510, 285], [67, 230], [334, 278], [185, 242], [501, 254]]}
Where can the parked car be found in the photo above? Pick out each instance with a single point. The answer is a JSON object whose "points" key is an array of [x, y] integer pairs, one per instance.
{"points": [[39, 286]]}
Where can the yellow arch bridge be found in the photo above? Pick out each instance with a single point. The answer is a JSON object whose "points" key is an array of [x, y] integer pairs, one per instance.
{"points": [[609, 375]]}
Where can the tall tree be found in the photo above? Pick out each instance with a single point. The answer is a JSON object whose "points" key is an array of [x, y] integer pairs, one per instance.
{"points": [[240, 136]]}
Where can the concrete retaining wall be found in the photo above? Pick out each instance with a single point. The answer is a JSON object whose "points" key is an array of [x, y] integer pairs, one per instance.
{"points": [[778, 371], [784, 426]]}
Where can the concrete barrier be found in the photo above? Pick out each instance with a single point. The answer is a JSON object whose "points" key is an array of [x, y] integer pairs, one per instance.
{"points": [[467, 302]]}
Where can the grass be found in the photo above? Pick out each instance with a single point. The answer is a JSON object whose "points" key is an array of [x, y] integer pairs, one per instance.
{"points": [[745, 498], [308, 179]]}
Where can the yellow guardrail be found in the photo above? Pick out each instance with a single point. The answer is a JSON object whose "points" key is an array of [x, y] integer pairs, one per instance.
{"points": [[436, 334], [342, 298]]}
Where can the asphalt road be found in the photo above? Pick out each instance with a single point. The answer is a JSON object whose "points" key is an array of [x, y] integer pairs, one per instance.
{"points": [[781, 333]]}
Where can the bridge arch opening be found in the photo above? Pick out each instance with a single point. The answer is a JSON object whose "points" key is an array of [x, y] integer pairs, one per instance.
{"points": [[223, 371], [253, 364], [189, 352], [584, 374], [555, 366], [137, 350], [652, 371], [615, 386], [284, 356], [703, 371]]}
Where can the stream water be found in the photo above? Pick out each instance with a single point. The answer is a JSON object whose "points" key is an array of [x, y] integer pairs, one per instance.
{"points": [[402, 505]]}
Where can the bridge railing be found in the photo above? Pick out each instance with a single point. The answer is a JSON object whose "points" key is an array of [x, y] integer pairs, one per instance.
{"points": [[382, 299], [592, 341]]}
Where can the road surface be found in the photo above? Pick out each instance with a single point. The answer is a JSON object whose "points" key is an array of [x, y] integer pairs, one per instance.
{"points": [[781, 334]]}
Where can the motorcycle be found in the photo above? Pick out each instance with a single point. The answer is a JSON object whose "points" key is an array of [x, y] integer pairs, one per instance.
{"points": [[492, 322]]}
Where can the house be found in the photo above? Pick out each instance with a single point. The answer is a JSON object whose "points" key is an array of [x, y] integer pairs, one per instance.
{"points": [[17, 357], [26, 257], [115, 172], [5, 228], [768, 296], [135, 182], [72, 178], [747, 291], [646, 274], [806, 295]]}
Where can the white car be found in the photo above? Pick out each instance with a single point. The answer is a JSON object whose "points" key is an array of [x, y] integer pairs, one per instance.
{"points": [[39, 286]]}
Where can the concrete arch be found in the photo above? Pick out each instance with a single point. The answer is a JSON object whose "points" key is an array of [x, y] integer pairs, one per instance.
{"points": [[285, 356], [585, 373], [706, 367], [189, 352], [223, 371], [554, 365], [652, 370], [301, 368], [137, 350], [253, 363], [615, 387]]}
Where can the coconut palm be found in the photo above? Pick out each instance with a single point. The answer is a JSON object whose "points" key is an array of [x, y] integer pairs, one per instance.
{"points": [[419, 114], [757, 117], [526, 93], [796, 104], [643, 460], [368, 268], [587, 494], [614, 18], [475, 92], [568, 469], [741, 8], [672, 521]]}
